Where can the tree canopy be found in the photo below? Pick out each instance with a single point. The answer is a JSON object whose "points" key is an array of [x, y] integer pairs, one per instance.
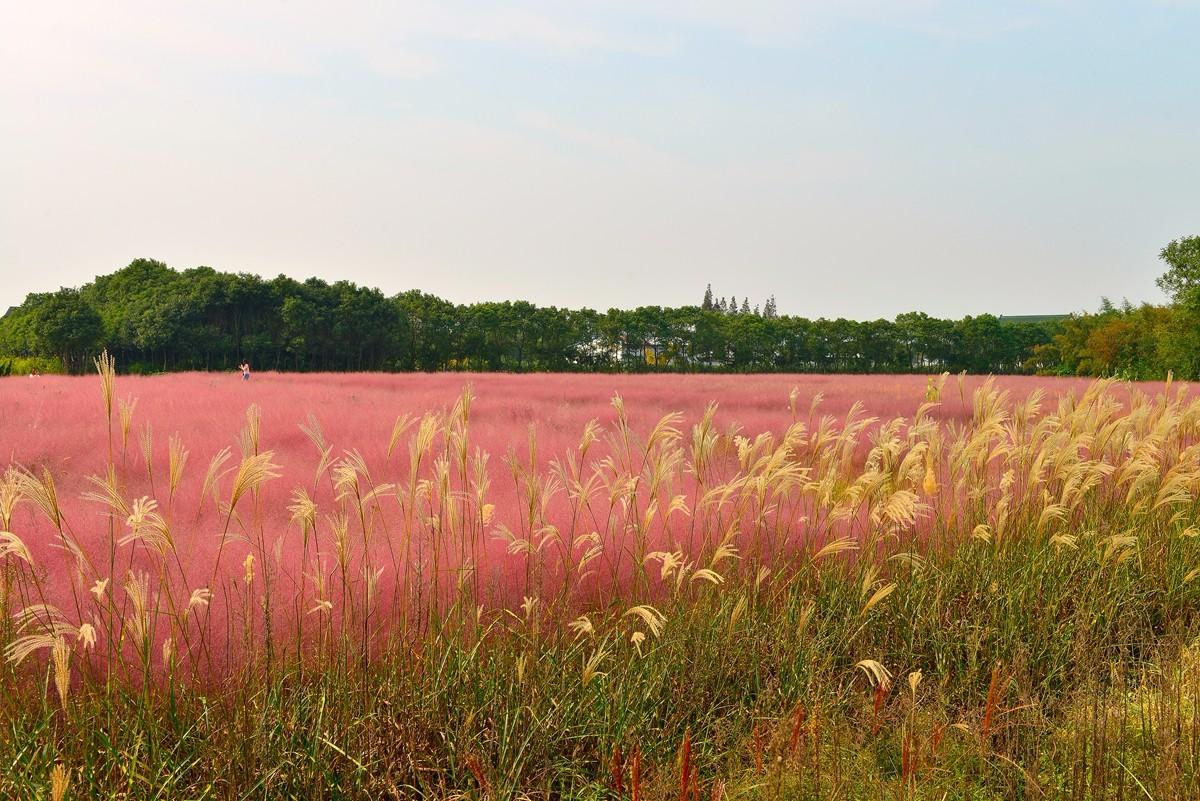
{"points": [[1182, 279], [154, 318]]}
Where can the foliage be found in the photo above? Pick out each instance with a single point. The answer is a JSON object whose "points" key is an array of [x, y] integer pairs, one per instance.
{"points": [[62, 325], [1134, 343], [28, 365], [1182, 279], [159, 320]]}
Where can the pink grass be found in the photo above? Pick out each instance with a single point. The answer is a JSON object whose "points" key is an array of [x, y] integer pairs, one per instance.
{"points": [[58, 423]]}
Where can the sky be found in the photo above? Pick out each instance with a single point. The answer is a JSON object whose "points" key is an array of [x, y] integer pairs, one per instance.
{"points": [[855, 158]]}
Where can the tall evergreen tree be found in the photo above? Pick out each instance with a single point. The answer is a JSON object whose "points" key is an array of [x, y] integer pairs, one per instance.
{"points": [[707, 305], [746, 305]]}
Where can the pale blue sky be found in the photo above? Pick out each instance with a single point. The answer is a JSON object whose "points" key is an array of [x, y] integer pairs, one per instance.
{"points": [[856, 159]]}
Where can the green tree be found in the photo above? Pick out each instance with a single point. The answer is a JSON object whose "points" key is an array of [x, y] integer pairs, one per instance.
{"points": [[154, 317], [67, 326], [1182, 279]]}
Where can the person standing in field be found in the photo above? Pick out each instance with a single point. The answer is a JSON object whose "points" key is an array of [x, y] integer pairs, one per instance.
{"points": [[245, 368]]}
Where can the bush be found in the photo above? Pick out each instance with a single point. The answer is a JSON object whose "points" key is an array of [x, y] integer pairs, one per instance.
{"points": [[25, 365], [143, 368]]}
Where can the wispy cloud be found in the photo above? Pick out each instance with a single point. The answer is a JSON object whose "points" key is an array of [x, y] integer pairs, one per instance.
{"points": [[89, 44], [787, 22], [86, 44]]}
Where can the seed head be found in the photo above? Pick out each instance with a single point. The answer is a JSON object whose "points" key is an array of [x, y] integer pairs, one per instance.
{"points": [[61, 655], [60, 782], [87, 636]]}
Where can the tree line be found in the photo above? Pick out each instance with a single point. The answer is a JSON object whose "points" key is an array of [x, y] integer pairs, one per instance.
{"points": [[154, 318]]}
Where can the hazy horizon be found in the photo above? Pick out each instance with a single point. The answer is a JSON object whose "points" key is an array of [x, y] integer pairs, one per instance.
{"points": [[855, 159]]}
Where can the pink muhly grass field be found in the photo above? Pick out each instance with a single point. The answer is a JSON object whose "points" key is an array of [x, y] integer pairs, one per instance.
{"points": [[58, 421], [58, 424]]}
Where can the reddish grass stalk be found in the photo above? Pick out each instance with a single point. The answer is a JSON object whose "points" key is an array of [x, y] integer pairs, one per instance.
{"points": [[616, 768], [935, 740], [685, 764], [881, 693], [635, 774], [480, 776], [757, 746], [907, 759], [798, 717], [989, 709]]}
